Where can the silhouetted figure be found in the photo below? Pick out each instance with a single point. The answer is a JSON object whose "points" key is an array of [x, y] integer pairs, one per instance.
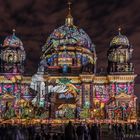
{"points": [[116, 130], [19, 134], [130, 129], [86, 132], [126, 128], [121, 132], [54, 137], [70, 132], [80, 132], [48, 136], [94, 132]]}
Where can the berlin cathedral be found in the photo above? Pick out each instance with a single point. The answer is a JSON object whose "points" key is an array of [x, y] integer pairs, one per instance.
{"points": [[66, 83]]}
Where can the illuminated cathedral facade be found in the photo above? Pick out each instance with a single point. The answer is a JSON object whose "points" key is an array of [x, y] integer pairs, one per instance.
{"points": [[66, 79]]}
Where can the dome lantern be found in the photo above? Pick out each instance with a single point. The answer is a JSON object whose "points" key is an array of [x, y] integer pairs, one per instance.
{"points": [[69, 18], [119, 30], [14, 31]]}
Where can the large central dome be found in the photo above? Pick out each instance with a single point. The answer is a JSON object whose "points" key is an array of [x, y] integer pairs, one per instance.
{"points": [[69, 35], [69, 46]]}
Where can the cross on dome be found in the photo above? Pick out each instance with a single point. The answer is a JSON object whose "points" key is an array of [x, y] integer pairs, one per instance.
{"points": [[14, 31], [119, 30], [69, 18]]}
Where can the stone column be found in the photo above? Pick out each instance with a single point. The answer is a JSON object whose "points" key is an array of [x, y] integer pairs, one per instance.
{"points": [[38, 92], [53, 100], [83, 95], [115, 88], [2, 87], [91, 95]]}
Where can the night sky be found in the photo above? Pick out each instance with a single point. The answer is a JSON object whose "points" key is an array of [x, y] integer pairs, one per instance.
{"points": [[34, 20]]}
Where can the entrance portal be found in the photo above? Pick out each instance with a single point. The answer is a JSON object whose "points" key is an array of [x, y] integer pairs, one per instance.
{"points": [[62, 108]]}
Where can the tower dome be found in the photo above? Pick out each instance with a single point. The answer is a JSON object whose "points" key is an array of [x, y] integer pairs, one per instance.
{"points": [[119, 40], [13, 41], [12, 54], [69, 46], [120, 54]]}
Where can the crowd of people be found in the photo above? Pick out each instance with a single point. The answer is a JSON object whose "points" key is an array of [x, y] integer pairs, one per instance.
{"points": [[124, 130], [82, 131], [70, 131]]}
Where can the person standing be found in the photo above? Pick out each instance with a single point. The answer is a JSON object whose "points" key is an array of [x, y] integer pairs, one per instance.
{"points": [[110, 128], [126, 128], [130, 129], [80, 132], [94, 132], [116, 130], [86, 132], [121, 132], [70, 132]]}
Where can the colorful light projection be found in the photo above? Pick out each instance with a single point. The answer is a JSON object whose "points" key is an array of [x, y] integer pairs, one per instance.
{"points": [[122, 110], [102, 93], [67, 88], [118, 88], [16, 90], [79, 47], [69, 35], [86, 97], [14, 77]]}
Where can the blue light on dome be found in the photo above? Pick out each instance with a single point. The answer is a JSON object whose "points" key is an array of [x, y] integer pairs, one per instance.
{"points": [[66, 35]]}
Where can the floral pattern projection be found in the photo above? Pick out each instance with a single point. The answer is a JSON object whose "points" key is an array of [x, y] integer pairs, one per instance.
{"points": [[118, 88], [125, 88], [100, 99], [11, 96], [65, 88], [102, 92], [121, 109], [14, 89]]}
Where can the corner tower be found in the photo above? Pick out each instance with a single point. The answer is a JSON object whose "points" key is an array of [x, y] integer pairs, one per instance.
{"points": [[122, 104], [12, 55], [119, 55]]}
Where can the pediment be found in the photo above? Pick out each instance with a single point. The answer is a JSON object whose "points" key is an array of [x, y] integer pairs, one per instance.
{"points": [[123, 95], [8, 97]]}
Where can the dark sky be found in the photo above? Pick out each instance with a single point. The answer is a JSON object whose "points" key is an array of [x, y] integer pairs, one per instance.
{"points": [[34, 20]]}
